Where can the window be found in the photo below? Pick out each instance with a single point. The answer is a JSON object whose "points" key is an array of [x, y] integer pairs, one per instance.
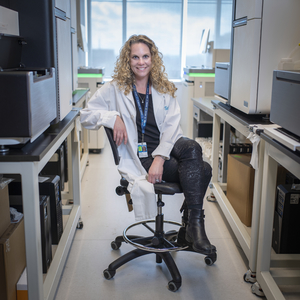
{"points": [[113, 22], [105, 34], [161, 21], [214, 15]]}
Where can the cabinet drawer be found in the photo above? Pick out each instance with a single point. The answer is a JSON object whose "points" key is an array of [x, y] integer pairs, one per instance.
{"points": [[200, 116], [196, 113]]}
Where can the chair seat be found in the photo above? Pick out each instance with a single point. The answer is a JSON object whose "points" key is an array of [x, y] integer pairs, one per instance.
{"points": [[164, 188], [167, 188]]}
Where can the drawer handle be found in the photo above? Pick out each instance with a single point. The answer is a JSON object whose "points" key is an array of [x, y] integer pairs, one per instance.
{"points": [[239, 22]]}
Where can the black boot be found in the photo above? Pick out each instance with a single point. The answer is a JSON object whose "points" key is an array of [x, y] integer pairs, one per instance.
{"points": [[195, 232], [185, 216]]}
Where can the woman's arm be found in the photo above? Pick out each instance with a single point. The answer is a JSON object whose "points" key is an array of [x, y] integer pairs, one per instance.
{"points": [[156, 170], [100, 110], [120, 132]]}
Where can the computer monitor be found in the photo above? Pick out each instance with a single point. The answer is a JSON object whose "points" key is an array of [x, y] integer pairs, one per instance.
{"points": [[204, 41]]}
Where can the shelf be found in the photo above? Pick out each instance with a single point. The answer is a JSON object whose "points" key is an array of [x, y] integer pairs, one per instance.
{"points": [[247, 237], [275, 269], [28, 161]]}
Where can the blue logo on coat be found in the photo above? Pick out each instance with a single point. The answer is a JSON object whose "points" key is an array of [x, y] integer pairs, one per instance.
{"points": [[166, 107]]}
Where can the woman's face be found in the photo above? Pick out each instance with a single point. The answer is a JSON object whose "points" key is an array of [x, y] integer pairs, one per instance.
{"points": [[140, 61]]}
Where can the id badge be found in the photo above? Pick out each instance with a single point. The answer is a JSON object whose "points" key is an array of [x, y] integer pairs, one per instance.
{"points": [[142, 149]]}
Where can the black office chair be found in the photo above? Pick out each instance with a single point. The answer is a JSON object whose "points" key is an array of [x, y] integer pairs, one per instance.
{"points": [[159, 243]]}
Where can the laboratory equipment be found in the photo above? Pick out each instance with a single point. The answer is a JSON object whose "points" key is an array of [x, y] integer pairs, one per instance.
{"points": [[286, 220], [222, 76], [47, 28], [285, 105], [28, 95], [197, 82], [92, 78], [264, 32]]}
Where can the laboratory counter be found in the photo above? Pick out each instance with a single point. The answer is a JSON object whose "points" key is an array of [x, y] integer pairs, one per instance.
{"points": [[78, 95], [244, 124], [239, 116]]}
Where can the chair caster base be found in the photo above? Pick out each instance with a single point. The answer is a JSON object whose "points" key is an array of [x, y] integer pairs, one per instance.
{"points": [[174, 286], [210, 259], [109, 274], [211, 198], [79, 225], [115, 245], [257, 290], [250, 277]]}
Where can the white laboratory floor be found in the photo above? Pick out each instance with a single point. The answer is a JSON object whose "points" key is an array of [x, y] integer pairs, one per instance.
{"points": [[105, 215]]}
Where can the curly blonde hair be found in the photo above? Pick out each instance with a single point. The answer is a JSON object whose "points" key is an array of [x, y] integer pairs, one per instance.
{"points": [[124, 76]]}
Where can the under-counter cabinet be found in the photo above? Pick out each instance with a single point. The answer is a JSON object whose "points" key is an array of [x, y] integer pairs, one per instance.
{"points": [[203, 112], [275, 270], [28, 161]]}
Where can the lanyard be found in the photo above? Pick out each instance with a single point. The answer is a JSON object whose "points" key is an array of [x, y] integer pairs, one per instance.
{"points": [[145, 113]]}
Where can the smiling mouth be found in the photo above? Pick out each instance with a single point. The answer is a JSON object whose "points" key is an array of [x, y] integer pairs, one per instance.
{"points": [[141, 69]]}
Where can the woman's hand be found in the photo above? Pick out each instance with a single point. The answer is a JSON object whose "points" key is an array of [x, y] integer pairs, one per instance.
{"points": [[156, 170], [120, 132]]}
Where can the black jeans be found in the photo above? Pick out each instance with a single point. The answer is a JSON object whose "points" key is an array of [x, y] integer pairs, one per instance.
{"points": [[186, 167]]}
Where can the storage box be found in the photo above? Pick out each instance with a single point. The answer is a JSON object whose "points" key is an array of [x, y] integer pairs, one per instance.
{"points": [[4, 210], [12, 260], [22, 290], [240, 183]]}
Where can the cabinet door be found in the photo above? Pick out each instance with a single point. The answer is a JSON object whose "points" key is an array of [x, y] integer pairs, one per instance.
{"points": [[73, 14], [74, 61], [64, 66], [248, 8], [65, 6], [245, 65]]}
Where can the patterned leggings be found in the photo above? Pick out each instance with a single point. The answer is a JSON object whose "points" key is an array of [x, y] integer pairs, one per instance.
{"points": [[186, 167]]}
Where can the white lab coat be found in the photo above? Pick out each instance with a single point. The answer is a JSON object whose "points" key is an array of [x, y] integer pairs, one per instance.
{"points": [[109, 102]]}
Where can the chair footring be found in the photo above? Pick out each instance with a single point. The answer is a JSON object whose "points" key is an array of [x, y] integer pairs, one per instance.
{"points": [[166, 243]]}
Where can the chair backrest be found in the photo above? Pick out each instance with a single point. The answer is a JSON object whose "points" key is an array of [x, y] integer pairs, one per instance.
{"points": [[114, 147], [164, 188]]}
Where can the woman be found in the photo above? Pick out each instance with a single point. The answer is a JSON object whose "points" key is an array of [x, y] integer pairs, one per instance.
{"points": [[139, 105]]}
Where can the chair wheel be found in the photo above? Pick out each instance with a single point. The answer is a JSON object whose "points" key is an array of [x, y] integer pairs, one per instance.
{"points": [[210, 259], [250, 277], [115, 245], [80, 225], [173, 286], [109, 274]]}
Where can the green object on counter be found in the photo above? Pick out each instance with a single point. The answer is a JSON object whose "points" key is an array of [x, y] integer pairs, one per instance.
{"points": [[202, 74], [86, 75]]}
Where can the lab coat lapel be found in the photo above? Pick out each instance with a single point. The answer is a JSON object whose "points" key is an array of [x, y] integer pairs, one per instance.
{"points": [[156, 99], [130, 98], [130, 104], [158, 107]]}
